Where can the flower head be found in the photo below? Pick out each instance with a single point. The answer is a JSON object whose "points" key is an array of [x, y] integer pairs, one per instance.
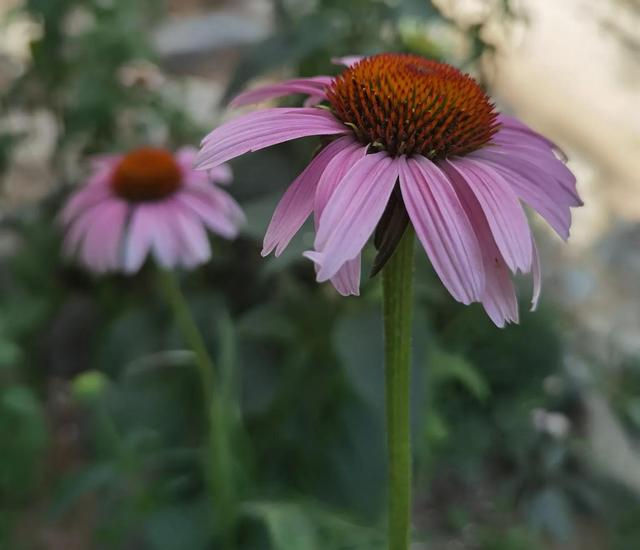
{"points": [[148, 201], [409, 140]]}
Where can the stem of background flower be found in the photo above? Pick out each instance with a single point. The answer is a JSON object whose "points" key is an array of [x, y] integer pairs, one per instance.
{"points": [[397, 278], [218, 458]]}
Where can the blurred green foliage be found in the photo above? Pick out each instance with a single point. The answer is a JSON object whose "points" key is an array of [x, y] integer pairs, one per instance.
{"points": [[103, 426]]}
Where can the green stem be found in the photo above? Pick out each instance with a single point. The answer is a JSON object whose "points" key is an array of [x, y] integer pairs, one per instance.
{"points": [[191, 333], [218, 458], [398, 297]]}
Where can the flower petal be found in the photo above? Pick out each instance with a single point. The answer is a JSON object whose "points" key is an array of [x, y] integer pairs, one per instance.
{"points": [[539, 191], [499, 296], [353, 211], [297, 202], [502, 209], [537, 276], [195, 248], [442, 227], [308, 86], [101, 245], [347, 280], [264, 128]]}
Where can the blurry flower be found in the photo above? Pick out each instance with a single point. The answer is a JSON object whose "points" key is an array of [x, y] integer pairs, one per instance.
{"points": [[409, 139], [141, 73], [80, 20], [148, 201], [555, 424]]}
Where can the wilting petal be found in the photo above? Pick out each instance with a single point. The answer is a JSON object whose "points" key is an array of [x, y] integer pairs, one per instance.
{"points": [[261, 129], [353, 211], [442, 227], [502, 209], [297, 202], [308, 86]]}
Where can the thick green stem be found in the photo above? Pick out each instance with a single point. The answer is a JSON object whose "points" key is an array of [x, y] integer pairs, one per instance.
{"points": [[398, 297]]}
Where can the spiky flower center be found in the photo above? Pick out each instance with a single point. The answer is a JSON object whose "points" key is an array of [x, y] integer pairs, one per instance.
{"points": [[146, 174], [408, 105]]}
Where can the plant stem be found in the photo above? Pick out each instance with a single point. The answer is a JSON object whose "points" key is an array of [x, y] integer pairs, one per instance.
{"points": [[218, 457], [191, 333], [398, 300]]}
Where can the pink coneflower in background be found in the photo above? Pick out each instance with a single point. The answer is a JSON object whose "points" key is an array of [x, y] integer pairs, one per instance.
{"points": [[148, 202], [409, 139]]}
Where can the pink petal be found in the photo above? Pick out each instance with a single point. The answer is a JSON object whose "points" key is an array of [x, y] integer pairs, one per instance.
{"points": [[101, 245], [334, 173], [214, 207], [544, 162], [347, 280], [308, 86], [86, 197], [140, 237], [502, 209], [442, 227], [221, 174], [353, 212], [261, 129], [499, 297], [518, 127], [542, 193], [195, 248], [537, 276], [297, 202]]}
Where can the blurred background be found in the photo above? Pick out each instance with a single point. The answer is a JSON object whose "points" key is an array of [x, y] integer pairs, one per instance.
{"points": [[525, 438]]}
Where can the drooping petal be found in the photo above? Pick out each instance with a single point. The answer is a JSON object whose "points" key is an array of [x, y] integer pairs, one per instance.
{"points": [[166, 238], [100, 249], [138, 239], [297, 202], [216, 209], [442, 227], [221, 174], [308, 86], [353, 211], [195, 248], [347, 280], [519, 128], [261, 129], [499, 296], [540, 192], [85, 198], [334, 172], [501, 207]]}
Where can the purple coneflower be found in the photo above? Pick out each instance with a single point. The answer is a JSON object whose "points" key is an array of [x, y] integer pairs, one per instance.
{"points": [[409, 140], [149, 201]]}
